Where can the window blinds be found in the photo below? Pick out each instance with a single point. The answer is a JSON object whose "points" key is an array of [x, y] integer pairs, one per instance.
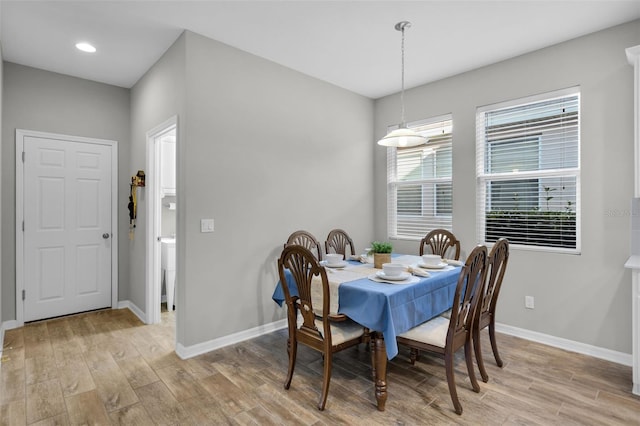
{"points": [[528, 171], [419, 191]]}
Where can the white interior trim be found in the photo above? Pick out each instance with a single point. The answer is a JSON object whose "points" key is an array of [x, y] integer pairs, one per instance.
{"points": [[633, 56], [153, 275], [185, 352], [569, 345], [127, 304]]}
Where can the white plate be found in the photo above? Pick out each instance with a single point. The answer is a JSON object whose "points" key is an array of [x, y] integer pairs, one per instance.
{"points": [[340, 264], [438, 266], [401, 277]]}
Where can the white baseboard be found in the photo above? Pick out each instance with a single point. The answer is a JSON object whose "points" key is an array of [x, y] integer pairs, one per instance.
{"points": [[185, 352], [133, 308], [8, 325], [569, 345]]}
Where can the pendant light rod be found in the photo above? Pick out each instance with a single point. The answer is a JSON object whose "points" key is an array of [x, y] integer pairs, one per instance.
{"points": [[402, 137], [400, 26]]}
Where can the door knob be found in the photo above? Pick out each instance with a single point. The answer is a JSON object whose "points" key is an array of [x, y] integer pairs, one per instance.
{"points": [[105, 235]]}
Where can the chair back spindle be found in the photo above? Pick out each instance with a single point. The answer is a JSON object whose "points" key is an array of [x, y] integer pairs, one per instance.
{"points": [[441, 242]]}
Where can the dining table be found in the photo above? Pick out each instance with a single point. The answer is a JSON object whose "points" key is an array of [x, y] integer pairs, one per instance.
{"points": [[387, 307]]}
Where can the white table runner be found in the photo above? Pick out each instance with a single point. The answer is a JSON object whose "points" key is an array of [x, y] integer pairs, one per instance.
{"points": [[337, 276]]}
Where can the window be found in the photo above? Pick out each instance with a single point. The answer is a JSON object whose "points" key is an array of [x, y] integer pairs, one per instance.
{"points": [[419, 191], [528, 171]]}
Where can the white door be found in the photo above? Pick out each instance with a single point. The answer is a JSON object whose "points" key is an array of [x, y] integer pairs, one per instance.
{"points": [[67, 227]]}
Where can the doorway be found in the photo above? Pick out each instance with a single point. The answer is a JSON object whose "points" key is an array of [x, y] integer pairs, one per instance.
{"points": [[161, 227], [66, 225]]}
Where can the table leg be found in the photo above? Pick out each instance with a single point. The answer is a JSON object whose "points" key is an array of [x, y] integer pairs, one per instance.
{"points": [[379, 366]]}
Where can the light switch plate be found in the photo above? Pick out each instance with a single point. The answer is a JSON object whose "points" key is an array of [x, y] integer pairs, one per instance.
{"points": [[529, 302], [206, 225]]}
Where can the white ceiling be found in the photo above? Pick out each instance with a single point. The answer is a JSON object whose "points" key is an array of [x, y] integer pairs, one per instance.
{"points": [[352, 44]]}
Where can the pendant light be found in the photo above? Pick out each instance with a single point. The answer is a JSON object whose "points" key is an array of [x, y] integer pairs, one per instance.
{"points": [[402, 137]]}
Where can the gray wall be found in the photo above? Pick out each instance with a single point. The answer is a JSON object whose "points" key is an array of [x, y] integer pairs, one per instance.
{"points": [[267, 151], [48, 102], [159, 95], [586, 297]]}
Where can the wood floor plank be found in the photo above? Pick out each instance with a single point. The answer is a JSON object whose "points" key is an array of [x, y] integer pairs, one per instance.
{"points": [[156, 353], [38, 347], [107, 367], [13, 413], [282, 409], [98, 359], [206, 411], [59, 329], [134, 414], [233, 400], [36, 340], [256, 416], [527, 412], [40, 369], [137, 371], [162, 407], [122, 348], [86, 408], [75, 377], [628, 405], [113, 388], [13, 338], [200, 367], [59, 420], [67, 348], [44, 400], [12, 358], [12, 385], [180, 383]]}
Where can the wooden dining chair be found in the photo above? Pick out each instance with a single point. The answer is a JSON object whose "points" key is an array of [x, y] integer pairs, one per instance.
{"points": [[305, 239], [441, 242], [311, 325], [486, 313], [338, 240], [444, 336]]}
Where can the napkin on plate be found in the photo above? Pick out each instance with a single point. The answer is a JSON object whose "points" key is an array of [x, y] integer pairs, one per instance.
{"points": [[418, 272], [453, 262]]}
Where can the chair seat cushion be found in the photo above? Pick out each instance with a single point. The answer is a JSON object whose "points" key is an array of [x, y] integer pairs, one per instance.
{"points": [[342, 331], [432, 332]]}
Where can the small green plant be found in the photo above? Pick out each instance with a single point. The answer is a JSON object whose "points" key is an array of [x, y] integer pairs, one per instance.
{"points": [[548, 195], [381, 247]]}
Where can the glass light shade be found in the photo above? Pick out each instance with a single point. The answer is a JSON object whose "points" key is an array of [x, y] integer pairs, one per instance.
{"points": [[85, 47], [402, 138]]}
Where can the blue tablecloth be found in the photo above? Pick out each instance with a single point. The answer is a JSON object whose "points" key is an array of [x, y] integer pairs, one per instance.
{"points": [[391, 308]]}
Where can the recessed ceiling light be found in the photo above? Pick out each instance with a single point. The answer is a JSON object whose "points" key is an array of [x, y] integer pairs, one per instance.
{"points": [[86, 47]]}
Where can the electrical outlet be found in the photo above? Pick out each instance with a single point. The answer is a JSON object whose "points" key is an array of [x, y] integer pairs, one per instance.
{"points": [[529, 302], [206, 225]]}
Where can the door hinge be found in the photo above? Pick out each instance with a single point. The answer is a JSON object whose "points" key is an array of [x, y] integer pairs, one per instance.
{"points": [[23, 294], [23, 155]]}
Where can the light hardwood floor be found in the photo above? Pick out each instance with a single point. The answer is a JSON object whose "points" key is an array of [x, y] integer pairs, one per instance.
{"points": [[107, 367]]}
